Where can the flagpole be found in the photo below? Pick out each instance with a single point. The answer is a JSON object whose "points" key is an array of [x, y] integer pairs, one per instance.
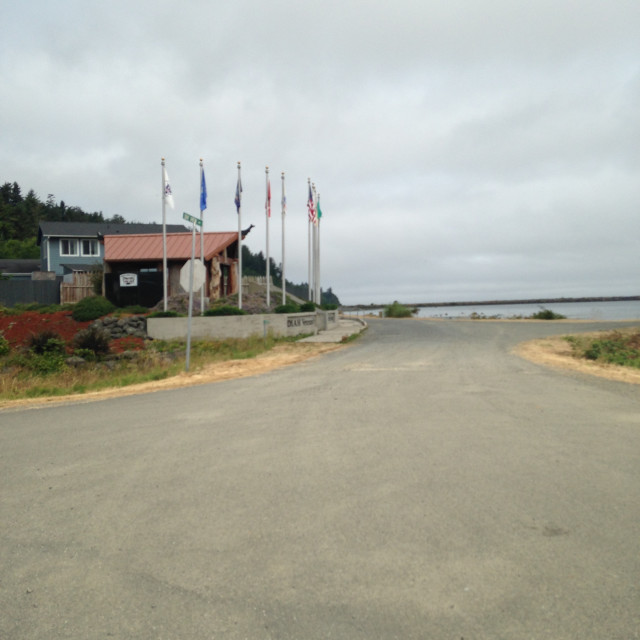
{"points": [[239, 207], [315, 247], [164, 239], [193, 252], [318, 218], [284, 280], [309, 242], [203, 205], [267, 208]]}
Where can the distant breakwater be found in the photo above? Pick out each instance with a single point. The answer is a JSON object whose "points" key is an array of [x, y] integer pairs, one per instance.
{"points": [[500, 302]]}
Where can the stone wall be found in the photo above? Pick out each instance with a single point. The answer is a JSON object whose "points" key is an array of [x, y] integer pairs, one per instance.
{"points": [[135, 326]]}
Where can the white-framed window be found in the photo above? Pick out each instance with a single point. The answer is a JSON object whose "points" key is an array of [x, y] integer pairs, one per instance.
{"points": [[90, 248], [68, 247]]}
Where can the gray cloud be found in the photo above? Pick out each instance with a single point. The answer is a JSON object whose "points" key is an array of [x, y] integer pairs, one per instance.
{"points": [[462, 150]]}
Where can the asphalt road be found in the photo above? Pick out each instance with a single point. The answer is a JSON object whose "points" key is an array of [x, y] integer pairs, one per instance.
{"points": [[421, 483]]}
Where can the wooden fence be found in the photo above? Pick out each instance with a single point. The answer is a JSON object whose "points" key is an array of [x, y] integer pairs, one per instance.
{"points": [[80, 288]]}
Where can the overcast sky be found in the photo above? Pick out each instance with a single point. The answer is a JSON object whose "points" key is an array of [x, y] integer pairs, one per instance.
{"points": [[463, 150]]}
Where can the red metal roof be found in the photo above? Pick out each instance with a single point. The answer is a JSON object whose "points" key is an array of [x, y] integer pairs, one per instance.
{"points": [[142, 247]]}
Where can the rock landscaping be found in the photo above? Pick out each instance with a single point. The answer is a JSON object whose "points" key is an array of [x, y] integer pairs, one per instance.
{"points": [[123, 327]]}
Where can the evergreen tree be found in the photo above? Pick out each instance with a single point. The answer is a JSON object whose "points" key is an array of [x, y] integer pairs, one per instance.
{"points": [[20, 216]]}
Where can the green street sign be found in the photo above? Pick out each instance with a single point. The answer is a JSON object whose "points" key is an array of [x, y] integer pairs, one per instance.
{"points": [[192, 219]]}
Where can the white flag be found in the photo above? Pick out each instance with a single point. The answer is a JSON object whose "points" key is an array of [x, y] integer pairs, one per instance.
{"points": [[168, 194]]}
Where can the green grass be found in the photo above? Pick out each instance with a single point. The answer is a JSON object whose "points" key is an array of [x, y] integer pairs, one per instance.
{"points": [[352, 337], [34, 306], [616, 347], [19, 378]]}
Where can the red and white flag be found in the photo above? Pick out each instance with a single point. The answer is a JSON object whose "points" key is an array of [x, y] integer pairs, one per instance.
{"points": [[311, 206]]}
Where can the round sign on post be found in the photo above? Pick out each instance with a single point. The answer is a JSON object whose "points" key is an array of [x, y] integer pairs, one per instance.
{"points": [[199, 275]]}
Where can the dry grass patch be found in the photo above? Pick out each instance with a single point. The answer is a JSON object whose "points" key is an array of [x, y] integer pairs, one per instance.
{"points": [[279, 356], [568, 352]]}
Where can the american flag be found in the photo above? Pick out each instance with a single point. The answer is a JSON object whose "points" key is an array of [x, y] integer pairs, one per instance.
{"points": [[311, 206]]}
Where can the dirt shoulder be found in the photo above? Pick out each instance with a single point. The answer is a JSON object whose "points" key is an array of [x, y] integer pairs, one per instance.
{"points": [[280, 356], [556, 352]]}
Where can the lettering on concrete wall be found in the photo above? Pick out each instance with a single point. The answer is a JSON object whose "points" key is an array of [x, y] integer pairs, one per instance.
{"points": [[303, 321]]}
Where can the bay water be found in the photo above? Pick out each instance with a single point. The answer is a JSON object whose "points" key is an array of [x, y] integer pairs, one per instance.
{"points": [[615, 310]]}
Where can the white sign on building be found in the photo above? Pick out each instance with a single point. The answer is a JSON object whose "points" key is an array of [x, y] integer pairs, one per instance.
{"points": [[128, 279]]}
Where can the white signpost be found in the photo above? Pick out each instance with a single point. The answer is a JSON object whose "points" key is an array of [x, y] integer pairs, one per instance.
{"points": [[188, 278]]}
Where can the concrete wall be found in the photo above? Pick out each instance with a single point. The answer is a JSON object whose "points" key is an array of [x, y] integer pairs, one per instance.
{"points": [[221, 327], [327, 319]]}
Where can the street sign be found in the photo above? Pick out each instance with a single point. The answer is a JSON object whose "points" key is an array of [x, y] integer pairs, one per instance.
{"points": [[192, 219], [199, 275]]}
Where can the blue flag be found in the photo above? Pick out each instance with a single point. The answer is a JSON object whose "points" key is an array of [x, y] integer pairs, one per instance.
{"points": [[238, 198], [203, 191]]}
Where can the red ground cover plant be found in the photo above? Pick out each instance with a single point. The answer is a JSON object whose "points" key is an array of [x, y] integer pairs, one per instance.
{"points": [[129, 343], [17, 329]]}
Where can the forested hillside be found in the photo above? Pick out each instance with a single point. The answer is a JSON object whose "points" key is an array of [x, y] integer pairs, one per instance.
{"points": [[254, 264], [20, 216]]}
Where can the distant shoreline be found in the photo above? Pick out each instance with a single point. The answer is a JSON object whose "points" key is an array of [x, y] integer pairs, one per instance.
{"points": [[500, 302]]}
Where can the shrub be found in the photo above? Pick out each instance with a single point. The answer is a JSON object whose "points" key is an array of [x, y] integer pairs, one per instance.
{"points": [[45, 363], [225, 310], [92, 308], [616, 347], [329, 306], [164, 314], [287, 308], [135, 310], [4, 345], [307, 306], [85, 354], [96, 277], [397, 310], [92, 339], [547, 314], [47, 342]]}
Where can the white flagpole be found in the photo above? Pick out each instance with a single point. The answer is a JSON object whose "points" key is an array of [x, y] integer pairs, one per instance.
{"points": [[318, 276], [284, 208], [193, 253], [267, 207], [309, 252], [315, 248], [239, 206], [201, 238], [164, 238]]}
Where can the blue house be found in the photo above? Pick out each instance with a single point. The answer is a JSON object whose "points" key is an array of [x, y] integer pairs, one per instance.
{"points": [[70, 247]]}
